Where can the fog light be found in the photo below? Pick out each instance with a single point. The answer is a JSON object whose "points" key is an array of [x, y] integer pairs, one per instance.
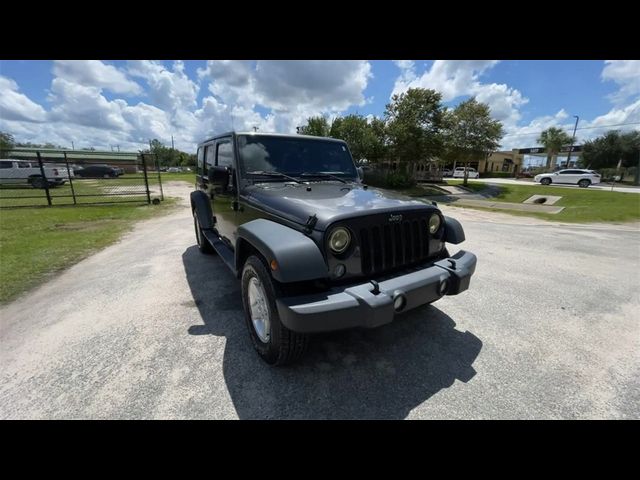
{"points": [[399, 302], [339, 270], [444, 285]]}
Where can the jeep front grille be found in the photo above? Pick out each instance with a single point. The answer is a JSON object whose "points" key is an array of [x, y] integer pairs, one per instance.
{"points": [[392, 245]]}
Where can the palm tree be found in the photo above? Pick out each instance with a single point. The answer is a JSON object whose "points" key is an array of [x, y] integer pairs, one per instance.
{"points": [[554, 140]]}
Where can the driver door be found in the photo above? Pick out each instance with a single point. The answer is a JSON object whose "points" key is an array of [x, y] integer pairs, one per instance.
{"points": [[224, 200]]}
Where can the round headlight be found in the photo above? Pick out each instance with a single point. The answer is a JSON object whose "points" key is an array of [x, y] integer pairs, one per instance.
{"points": [[339, 240], [434, 223]]}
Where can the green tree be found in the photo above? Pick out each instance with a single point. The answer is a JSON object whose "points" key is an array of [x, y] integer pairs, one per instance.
{"points": [[554, 140], [379, 143], [414, 122], [7, 143], [612, 148], [471, 134], [316, 126], [357, 132], [167, 157]]}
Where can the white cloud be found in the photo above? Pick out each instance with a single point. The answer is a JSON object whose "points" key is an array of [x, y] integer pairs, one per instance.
{"points": [[626, 73], [94, 73], [169, 90], [292, 90], [270, 95], [457, 78], [84, 105], [17, 106]]}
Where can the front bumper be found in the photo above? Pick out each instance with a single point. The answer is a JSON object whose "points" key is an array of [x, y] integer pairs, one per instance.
{"points": [[359, 306]]}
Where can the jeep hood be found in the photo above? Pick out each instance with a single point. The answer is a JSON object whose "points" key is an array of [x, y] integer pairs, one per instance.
{"points": [[329, 201]]}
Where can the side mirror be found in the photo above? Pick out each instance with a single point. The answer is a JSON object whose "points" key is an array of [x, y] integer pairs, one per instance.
{"points": [[219, 176], [360, 173]]}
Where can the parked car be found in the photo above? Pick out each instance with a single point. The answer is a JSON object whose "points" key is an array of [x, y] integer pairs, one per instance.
{"points": [[447, 172], [22, 172], [174, 170], [97, 171], [580, 177], [314, 248], [459, 173]]}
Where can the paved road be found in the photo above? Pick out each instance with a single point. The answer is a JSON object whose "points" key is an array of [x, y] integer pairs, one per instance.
{"points": [[512, 181], [149, 328]]}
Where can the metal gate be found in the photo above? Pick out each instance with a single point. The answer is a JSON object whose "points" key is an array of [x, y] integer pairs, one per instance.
{"points": [[46, 177]]}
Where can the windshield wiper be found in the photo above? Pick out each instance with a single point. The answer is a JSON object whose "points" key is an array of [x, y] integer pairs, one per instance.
{"points": [[273, 174], [322, 175]]}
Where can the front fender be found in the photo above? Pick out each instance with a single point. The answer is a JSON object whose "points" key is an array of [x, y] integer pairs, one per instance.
{"points": [[453, 231], [202, 206], [298, 257]]}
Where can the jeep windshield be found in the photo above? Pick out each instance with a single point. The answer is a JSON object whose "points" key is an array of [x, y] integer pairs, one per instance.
{"points": [[268, 157]]}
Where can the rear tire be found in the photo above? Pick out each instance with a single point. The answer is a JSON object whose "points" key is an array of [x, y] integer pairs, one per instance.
{"points": [[275, 343], [38, 182], [545, 181], [203, 244], [584, 183]]}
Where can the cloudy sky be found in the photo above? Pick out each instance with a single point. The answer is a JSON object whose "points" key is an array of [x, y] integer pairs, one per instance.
{"points": [[126, 103]]}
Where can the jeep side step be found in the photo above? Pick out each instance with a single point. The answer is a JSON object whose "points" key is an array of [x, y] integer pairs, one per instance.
{"points": [[226, 254]]}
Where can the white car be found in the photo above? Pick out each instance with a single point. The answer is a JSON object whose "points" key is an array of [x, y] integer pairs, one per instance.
{"points": [[582, 178], [174, 170], [459, 173], [17, 172]]}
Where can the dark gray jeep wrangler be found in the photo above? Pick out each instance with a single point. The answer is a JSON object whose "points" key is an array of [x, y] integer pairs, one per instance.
{"points": [[314, 247]]}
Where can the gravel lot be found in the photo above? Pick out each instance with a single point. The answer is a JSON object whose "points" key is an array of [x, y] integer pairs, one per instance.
{"points": [[150, 328]]}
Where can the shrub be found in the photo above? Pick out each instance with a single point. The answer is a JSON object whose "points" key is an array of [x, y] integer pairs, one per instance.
{"points": [[388, 180]]}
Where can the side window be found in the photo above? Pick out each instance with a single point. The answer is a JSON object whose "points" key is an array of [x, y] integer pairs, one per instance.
{"points": [[5, 164], [225, 154], [209, 156], [200, 162], [24, 165]]}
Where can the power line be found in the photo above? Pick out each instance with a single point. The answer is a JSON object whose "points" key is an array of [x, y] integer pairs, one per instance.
{"points": [[581, 128]]}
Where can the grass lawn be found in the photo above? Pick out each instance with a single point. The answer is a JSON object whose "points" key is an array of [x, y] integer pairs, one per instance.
{"points": [[126, 188], [582, 205], [38, 242]]}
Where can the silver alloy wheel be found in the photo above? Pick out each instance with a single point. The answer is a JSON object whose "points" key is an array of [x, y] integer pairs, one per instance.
{"points": [[259, 309]]}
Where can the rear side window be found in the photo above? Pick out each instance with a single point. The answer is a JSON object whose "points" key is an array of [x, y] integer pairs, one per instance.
{"points": [[209, 155], [5, 164], [200, 158], [225, 154], [24, 165]]}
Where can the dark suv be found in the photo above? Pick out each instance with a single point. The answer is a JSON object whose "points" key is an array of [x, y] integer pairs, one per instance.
{"points": [[315, 248], [97, 171]]}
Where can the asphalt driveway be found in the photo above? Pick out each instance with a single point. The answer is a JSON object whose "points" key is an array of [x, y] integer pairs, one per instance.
{"points": [[150, 328]]}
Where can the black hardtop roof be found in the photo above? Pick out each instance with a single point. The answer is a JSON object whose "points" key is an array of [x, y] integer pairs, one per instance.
{"points": [[266, 134]]}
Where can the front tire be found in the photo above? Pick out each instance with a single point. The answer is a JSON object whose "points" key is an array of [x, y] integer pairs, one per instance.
{"points": [[545, 181], [275, 343]]}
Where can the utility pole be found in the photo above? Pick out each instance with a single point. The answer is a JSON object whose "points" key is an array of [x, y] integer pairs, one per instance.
{"points": [[573, 139], [118, 148], [73, 147], [255, 129], [172, 142]]}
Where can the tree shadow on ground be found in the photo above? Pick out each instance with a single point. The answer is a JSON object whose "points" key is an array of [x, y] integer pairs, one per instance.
{"points": [[382, 373]]}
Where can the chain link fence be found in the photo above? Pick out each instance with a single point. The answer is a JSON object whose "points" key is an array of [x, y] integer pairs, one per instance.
{"points": [[45, 177]]}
